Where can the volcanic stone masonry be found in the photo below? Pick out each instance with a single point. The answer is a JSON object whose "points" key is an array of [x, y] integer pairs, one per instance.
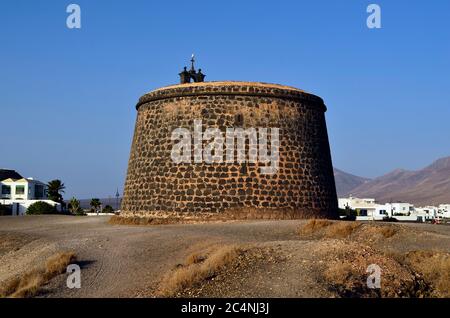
{"points": [[302, 187]]}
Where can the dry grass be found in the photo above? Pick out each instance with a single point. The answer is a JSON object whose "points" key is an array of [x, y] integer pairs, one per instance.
{"points": [[329, 229], [351, 251], [235, 214], [29, 284], [435, 268], [57, 264], [164, 219], [195, 258], [197, 268], [135, 220], [346, 273], [313, 226], [345, 229], [414, 274], [346, 280], [388, 232], [341, 229], [373, 232]]}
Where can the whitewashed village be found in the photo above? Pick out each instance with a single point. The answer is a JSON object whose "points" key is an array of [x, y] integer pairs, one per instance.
{"points": [[20, 196], [368, 209], [19, 193]]}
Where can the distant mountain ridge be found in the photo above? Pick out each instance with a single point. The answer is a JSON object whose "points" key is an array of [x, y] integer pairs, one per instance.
{"points": [[346, 182], [428, 186]]}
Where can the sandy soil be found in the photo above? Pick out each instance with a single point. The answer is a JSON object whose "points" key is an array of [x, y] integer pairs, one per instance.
{"points": [[129, 261]]}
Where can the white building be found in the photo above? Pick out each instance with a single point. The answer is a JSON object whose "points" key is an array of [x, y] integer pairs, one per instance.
{"points": [[367, 209], [363, 207], [400, 208], [444, 210], [19, 194], [427, 213]]}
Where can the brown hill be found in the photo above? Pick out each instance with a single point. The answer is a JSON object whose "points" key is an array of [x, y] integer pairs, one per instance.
{"points": [[346, 182], [430, 185]]}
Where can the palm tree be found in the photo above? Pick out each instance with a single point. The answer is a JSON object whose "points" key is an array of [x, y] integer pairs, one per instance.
{"points": [[74, 205], [95, 204], [55, 188]]}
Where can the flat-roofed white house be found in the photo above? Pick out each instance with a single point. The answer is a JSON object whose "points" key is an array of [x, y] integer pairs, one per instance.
{"points": [[427, 213], [19, 194], [364, 207], [368, 209], [401, 208]]}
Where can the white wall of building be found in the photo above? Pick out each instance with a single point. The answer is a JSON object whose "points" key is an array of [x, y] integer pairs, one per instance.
{"points": [[23, 189], [19, 207], [401, 208], [444, 210], [21, 193], [364, 207], [368, 209]]}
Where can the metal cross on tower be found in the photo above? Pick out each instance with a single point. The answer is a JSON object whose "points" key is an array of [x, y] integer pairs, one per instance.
{"points": [[186, 76], [192, 62]]}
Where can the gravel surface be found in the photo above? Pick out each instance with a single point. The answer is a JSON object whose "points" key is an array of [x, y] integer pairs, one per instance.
{"points": [[129, 261]]}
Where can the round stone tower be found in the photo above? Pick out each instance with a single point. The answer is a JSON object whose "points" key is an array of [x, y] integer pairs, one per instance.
{"points": [[243, 148]]}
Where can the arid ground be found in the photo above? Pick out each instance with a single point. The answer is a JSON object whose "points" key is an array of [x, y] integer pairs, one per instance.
{"points": [[292, 258]]}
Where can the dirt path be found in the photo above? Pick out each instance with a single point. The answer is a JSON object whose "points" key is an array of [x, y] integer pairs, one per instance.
{"points": [[128, 261], [120, 261]]}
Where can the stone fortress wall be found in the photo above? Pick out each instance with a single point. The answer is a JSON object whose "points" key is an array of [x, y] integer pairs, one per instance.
{"points": [[302, 187]]}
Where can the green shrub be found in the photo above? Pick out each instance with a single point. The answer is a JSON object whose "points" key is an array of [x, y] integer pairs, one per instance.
{"points": [[79, 212], [41, 207], [75, 208], [108, 209], [349, 214]]}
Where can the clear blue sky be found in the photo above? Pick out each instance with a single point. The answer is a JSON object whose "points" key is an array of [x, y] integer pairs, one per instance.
{"points": [[67, 97]]}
